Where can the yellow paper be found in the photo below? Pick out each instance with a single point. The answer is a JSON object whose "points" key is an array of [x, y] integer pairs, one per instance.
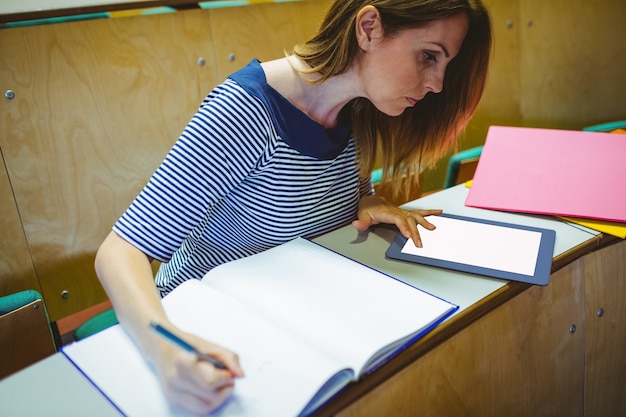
{"points": [[611, 228]]}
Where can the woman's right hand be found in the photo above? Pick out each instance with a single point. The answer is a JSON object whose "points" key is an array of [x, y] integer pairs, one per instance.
{"points": [[192, 384], [188, 383]]}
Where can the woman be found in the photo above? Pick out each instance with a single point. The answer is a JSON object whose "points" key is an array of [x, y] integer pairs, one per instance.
{"points": [[284, 149]]}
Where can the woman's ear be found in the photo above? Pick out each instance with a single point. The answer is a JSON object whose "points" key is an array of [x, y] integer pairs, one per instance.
{"points": [[368, 26]]}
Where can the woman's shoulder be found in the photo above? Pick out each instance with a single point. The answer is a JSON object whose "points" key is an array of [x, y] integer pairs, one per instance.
{"points": [[251, 79], [241, 92]]}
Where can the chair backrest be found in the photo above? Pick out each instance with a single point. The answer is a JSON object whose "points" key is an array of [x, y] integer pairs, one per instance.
{"points": [[606, 127], [97, 323], [462, 166], [25, 331]]}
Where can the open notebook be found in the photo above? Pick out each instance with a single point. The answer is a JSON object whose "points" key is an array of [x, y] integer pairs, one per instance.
{"points": [[304, 320]]}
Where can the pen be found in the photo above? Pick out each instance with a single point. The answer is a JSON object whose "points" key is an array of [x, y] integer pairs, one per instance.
{"points": [[185, 345]]}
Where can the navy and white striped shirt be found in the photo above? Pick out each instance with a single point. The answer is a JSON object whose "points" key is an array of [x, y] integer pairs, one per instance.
{"points": [[249, 172]]}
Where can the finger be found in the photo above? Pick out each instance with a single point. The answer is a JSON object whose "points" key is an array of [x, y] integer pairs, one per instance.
{"points": [[198, 377], [361, 225], [364, 221], [428, 225], [199, 395], [425, 223], [414, 235], [420, 217], [425, 213], [202, 404], [226, 357], [231, 360], [206, 377], [407, 225]]}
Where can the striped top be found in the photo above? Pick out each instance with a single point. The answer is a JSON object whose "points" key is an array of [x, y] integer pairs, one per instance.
{"points": [[249, 172]]}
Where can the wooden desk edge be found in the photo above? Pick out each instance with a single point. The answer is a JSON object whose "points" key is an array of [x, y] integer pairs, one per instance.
{"points": [[455, 324]]}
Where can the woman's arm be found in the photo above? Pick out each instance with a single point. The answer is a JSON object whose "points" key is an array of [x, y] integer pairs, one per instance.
{"points": [[194, 385]]}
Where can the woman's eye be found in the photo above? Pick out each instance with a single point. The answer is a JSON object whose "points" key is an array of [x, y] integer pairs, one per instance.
{"points": [[430, 57]]}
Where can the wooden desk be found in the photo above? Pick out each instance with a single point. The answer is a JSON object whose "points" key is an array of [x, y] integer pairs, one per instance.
{"points": [[510, 350], [53, 388]]}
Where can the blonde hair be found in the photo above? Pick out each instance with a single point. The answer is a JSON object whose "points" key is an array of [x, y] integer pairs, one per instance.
{"points": [[426, 132]]}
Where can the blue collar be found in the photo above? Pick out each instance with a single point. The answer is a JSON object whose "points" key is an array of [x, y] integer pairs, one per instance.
{"points": [[294, 126]]}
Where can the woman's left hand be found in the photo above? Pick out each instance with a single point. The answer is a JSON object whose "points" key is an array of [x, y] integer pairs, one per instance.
{"points": [[374, 210]]}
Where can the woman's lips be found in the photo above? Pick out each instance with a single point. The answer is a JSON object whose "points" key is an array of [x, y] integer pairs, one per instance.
{"points": [[412, 101]]}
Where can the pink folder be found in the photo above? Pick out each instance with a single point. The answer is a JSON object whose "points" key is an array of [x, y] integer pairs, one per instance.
{"points": [[548, 171]]}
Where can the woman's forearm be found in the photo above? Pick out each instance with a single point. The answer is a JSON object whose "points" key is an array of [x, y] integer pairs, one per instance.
{"points": [[126, 275]]}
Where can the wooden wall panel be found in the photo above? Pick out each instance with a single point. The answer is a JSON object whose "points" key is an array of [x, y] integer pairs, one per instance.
{"points": [[308, 16], [263, 31], [500, 103], [605, 291], [97, 105], [519, 360], [17, 272], [572, 62]]}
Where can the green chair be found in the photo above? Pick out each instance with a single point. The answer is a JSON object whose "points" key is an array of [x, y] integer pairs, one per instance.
{"points": [[95, 324], [606, 127], [377, 176], [461, 166], [25, 330]]}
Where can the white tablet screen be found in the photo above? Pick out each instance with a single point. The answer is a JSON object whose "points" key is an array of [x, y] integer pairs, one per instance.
{"points": [[478, 244]]}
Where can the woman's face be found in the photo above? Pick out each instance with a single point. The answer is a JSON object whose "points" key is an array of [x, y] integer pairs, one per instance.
{"points": [[398, 71]]}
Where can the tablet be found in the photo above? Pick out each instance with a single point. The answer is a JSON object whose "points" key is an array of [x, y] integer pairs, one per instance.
{"points": [[495, 249]]}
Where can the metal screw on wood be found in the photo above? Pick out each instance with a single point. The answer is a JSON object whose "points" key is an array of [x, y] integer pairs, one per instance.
{"points": [[9, 94], [572, 329]]}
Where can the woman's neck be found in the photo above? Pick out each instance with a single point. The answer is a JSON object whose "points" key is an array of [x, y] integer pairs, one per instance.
{"points": [[322, 101]]}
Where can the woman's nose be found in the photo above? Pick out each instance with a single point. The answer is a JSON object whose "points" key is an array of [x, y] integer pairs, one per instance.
{"points": [[435, 82]]}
